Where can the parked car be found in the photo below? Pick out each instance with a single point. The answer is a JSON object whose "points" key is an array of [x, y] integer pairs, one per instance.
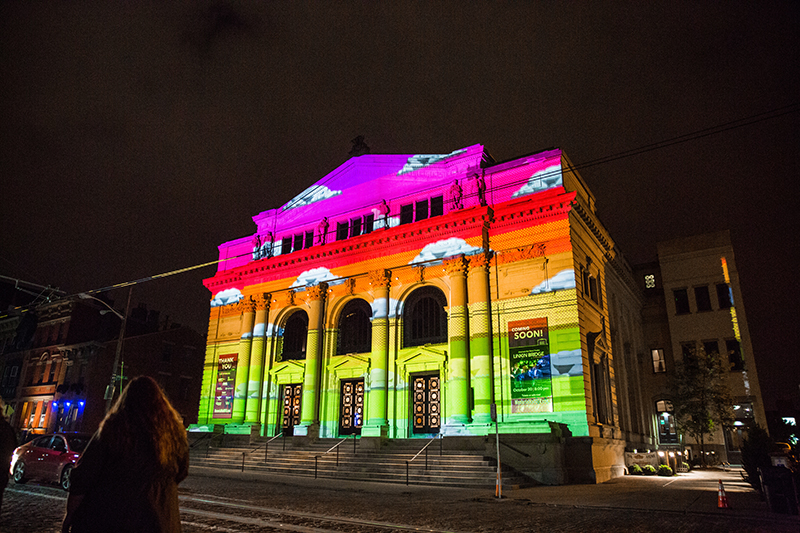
{"points": [[48, 458]]}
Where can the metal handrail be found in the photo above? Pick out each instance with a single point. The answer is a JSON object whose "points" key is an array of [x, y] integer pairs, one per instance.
{"points": [[211, 437], [335, 447], [266, 449], [424, 449]]}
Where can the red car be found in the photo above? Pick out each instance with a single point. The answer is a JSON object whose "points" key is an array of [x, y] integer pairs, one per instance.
{"points": [[49, 458]]}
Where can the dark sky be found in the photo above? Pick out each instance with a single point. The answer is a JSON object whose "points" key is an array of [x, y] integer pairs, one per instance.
{"points": [[137, 137]]}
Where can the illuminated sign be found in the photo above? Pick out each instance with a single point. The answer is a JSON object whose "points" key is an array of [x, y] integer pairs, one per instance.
{"points": [[226, 377], [529, 355]]}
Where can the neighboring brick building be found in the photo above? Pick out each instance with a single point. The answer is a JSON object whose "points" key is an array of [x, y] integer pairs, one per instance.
{"points": [[59, 363]]}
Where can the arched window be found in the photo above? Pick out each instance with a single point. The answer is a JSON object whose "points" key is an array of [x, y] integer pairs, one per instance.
{"points": [[355, 328], [425, 318], [295, 333]]}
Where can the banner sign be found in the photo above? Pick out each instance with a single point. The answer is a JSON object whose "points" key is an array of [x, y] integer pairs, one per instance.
{"points": [[226, 378], [529, 356]]}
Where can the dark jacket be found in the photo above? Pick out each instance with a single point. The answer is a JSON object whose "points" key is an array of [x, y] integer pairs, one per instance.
{"points": [[124, 491]]}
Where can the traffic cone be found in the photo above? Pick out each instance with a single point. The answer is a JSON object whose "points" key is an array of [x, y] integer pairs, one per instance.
{"points": [[722, 500]]}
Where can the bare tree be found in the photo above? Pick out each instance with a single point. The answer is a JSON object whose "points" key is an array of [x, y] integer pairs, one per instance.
{"points": [[702, 399]]}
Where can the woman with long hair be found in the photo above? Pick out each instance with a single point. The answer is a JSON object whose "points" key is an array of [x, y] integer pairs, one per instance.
{"points": [[127, 478]]}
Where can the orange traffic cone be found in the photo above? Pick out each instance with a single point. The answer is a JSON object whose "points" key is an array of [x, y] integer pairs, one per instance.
{"points": [[722, 500]]}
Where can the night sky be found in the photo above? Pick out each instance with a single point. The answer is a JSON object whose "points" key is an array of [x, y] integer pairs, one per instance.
{"points": [[138, 137]]}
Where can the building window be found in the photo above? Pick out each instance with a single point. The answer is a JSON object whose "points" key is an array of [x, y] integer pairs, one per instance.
{"points": [[298, 242], [309, 239], [53, 368], [681, 301], [650, 281], [295, 334], [592, 288], [286, 245], [602, 390], [424, 318], [342, 230], [711, 347], [166, 351], [667, 432], [369, 222], [734, 354], [421, 210], [724, 296], [702, 298], [743, 411], [437, 206], [407, 214], [355, 227], [355, 328], [659, 365]]}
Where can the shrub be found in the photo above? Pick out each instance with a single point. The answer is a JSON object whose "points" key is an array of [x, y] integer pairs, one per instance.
{"points": [[635, 470], [664, 470], [649, 470]]}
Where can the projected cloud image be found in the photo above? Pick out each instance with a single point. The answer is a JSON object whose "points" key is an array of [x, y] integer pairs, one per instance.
{"points": [[228, 296], [446, 248], [563, 280], [315, 193], [566, 363], [379, 308], [416, 162], [314, 276], [540, 181]]}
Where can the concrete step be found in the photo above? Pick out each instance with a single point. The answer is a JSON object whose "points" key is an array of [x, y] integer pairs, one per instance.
{"points": [[461, 468]]}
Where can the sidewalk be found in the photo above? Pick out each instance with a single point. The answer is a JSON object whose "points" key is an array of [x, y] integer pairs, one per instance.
{"points": [[693, 492]]}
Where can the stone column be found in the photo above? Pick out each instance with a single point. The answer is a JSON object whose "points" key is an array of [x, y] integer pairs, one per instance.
{"points": [[248, 310], [480, 341], [309, 417], [377, 424], [458, 408], [253, 401]]}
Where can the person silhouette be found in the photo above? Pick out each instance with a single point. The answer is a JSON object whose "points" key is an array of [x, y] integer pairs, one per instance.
{"points": [[127, 477]]}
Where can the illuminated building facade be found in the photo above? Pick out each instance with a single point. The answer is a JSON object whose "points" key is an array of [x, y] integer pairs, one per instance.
{"points": [[403, 295], [416, 296]]}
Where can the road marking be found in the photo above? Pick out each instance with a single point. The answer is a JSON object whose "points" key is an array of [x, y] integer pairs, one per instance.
{"points": [[18, 491]]}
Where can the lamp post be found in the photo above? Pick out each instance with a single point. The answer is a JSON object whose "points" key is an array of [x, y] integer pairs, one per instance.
{"points": [[109, 395]]}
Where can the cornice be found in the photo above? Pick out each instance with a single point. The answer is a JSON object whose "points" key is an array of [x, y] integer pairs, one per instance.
{"points": [[594, 227], [367, 246]]}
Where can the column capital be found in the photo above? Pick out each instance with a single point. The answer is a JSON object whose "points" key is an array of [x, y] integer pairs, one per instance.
{"points": [[380, 277], [317, 292], [456, 265], [479, 261], [262, 301]]}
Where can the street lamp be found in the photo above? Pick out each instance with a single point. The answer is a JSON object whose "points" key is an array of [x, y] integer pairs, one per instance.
{"points": [[109, 395]]}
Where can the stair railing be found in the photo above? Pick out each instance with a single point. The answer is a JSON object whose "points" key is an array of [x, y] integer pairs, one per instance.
{"points": [[210, 437], [266, 449], [335, 447], [424, 449]]}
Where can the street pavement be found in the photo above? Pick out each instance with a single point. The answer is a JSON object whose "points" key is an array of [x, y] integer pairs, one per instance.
{"points": [[687, 502]]}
